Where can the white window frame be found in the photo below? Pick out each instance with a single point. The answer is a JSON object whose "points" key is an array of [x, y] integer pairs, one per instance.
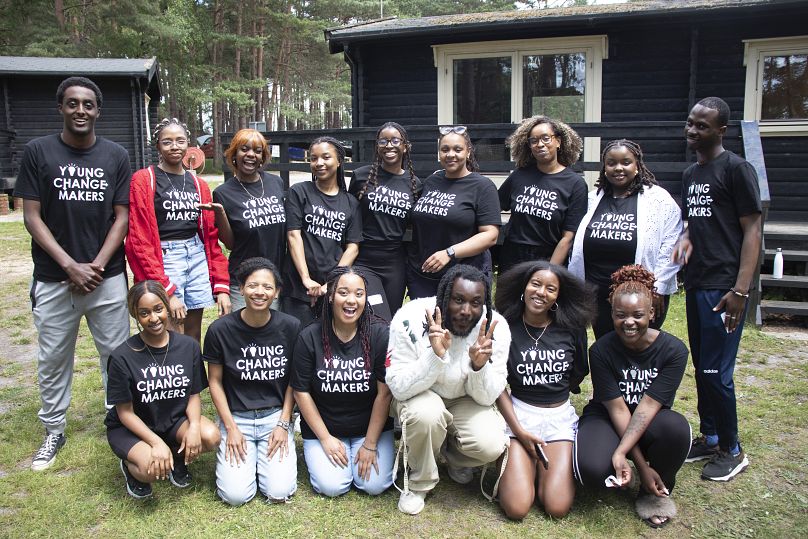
{"points": [[754, 52]]}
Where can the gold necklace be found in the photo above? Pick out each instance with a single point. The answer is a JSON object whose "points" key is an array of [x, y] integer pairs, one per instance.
{"points": [[148, 349], [532, 338], [253, 197]]}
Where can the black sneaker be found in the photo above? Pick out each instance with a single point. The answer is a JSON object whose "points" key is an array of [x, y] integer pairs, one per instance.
{"points": [[180, 477], [47, 451], [699, 450], [724, 466], [135, 488]]}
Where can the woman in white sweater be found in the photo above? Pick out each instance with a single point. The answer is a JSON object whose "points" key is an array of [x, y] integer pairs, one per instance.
{"points": [[630, 220]]}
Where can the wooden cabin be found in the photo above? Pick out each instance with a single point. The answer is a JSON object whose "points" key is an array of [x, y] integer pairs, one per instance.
{"points": [[131, 95]]}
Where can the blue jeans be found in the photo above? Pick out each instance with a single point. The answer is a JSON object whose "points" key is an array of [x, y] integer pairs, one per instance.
{"points": [[331, 480], [186, 265], [713, 351], [236, 483]]}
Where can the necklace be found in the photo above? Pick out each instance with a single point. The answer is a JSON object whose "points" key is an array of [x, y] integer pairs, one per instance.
{"points": [[532, 338], [174, 189], [148, 349], [253, 197]]}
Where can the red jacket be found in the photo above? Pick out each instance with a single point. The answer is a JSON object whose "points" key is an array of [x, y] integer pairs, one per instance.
{"points": [[142, 245]]}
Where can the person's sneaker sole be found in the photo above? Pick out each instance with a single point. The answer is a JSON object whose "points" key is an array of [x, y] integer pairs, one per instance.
{"points": [[700, 457], [735, 471], [129, 489], [38, 466], [177, 483]]}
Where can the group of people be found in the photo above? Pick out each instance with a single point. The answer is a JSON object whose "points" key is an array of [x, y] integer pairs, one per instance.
{"points": [[312, 314]]}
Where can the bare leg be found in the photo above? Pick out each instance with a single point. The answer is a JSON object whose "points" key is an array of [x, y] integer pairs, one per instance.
{"points": [[137, 460], [193, 324], [556, 484], [517, 488], [209, 433]]}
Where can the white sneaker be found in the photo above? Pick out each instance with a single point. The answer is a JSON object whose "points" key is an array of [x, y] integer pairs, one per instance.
{"points": [[459, 474], [411, 502]]}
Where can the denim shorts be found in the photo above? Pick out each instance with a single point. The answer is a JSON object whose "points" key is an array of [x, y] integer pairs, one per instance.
{"points": [[186, 265]]}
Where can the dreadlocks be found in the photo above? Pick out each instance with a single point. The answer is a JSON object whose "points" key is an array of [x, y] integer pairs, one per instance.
{"points": [[632, 279], [471, 160], [340, 149], [469, 273], [373, 179], [568, 152], [644, 176], [165, 122], [366, 319]]}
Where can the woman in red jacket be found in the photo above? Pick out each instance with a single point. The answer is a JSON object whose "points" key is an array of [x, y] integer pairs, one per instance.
{"points": [[171, 239]]}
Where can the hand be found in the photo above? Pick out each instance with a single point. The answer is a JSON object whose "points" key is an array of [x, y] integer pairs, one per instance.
{"points": [[223, 302], [733, 305], [191, 443], [682, 250], [366, 460], [162, 461], [236, 447], [658, 303], [436, 262], [177, 308], [278, 441], [335, 451], [439, 338], [651, 482], [84, 277], [529, 441], [480, 351], [622, 470], [212, 206], [313, 288]]}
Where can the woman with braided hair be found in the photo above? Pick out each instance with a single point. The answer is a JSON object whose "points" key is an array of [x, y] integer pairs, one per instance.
{"points": [[636, 371], [456, 219], [338, 377], [324, 228], [547, 199], [173, 237], [386, 193], [631, 220]]}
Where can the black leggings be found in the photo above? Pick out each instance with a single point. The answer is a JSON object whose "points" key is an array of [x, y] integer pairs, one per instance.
{"points": [[385, 269], [664, 445]]}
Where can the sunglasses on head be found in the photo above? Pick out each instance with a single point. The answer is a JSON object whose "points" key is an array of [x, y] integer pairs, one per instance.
{"points": [[459, 129]]}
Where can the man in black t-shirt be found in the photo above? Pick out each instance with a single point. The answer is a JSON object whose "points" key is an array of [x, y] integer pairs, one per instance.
{"points": [[720, 247], [75, 191]]}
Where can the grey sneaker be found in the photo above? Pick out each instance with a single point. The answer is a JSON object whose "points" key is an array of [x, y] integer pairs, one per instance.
{"points": [[136, 489], [46, 454], [724, 466], [699, 450]]}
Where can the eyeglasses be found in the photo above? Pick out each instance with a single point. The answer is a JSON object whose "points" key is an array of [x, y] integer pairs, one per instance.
{"points": [[395, 141], [446, 129], [168, 143], [544, 139]]}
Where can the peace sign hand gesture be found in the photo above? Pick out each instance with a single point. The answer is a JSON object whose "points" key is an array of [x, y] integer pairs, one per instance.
{"points": [[481, 350], [439, 338]]}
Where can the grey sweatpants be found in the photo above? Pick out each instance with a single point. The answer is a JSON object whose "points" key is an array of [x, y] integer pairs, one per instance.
{"points": [[57, 314]]}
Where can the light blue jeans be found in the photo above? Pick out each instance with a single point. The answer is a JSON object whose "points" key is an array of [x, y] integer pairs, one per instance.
{"points": [[236, 483], [331, 480], [186, 264]]}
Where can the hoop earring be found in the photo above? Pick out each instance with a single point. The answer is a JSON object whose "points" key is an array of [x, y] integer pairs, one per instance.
{"points": [[554, 308], [522, 298]]}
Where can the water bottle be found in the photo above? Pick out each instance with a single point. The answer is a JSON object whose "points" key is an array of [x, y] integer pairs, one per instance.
{"points": [[777, 272]]}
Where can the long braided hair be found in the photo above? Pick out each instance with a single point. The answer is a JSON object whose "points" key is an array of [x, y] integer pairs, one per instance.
{"points": [[366, 319], [644, 176], [632, 279], [471, 161], [469, 273], [373, 177], [340, 149]]}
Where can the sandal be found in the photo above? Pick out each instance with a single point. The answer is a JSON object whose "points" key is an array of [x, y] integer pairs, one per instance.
{"points": [[649, 506]]}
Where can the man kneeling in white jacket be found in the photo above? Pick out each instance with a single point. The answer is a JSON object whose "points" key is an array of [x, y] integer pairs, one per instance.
{"points": [[447, 364]]}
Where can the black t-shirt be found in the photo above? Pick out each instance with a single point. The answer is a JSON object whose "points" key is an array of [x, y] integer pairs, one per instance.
{"points": [[448, 212], [256, 360], [543, 206], [715, 196], [175, 205], [610, 240], [158, 387], [77, 190], [385, 209], [344, 388], [620, 372], [257, 218], [544, 373], [326, 224]]}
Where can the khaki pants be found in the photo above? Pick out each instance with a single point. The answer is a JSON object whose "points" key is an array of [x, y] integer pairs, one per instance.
{"points": [[474, 434]]}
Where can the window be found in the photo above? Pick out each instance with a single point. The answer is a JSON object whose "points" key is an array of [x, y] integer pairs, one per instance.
{"points": [[777, 85]]}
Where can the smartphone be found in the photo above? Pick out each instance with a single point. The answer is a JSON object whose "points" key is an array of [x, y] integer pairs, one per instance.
{"points": [[542, 456]]}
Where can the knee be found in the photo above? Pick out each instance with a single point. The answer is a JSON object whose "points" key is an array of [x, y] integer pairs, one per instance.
{"points": [[332, 489], [279, 492], [557, 508], [515, 509], [236, 496], [425, 418], [210, 436], [377, 484]]}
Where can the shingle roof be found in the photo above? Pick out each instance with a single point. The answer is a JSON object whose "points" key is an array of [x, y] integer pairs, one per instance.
{"points": [[78, 66]]}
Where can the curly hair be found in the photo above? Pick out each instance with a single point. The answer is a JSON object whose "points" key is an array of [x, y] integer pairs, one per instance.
{"points": [[643, 178], [471, 160], [84, 82], [373, 179], [340, 149], [469, 273], [576, 298], [568, 152], [257, 263], [632, 279], [246, 137]]}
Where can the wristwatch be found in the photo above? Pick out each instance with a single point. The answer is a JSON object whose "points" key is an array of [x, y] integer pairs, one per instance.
{"points": [[451, 253], [284, 425]]}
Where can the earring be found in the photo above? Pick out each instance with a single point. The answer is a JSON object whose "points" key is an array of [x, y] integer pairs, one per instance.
{"points": [[554, 308], [522, 298]]}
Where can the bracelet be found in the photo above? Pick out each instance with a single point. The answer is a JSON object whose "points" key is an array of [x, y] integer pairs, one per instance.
{"points": [[740, 295], [366, 448], [285, 425]]}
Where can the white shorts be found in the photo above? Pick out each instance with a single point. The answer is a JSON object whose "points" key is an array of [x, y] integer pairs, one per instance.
{"points": [[550, 424]]}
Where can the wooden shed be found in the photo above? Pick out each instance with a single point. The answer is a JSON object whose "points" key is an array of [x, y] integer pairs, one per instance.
{"points": [[131, 95]]}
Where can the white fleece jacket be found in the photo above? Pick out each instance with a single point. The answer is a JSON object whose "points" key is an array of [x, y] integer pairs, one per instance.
{"points": [[413, 366]]}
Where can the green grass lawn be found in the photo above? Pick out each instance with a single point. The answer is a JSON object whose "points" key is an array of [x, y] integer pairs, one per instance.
{"points": [[83, 494]]}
